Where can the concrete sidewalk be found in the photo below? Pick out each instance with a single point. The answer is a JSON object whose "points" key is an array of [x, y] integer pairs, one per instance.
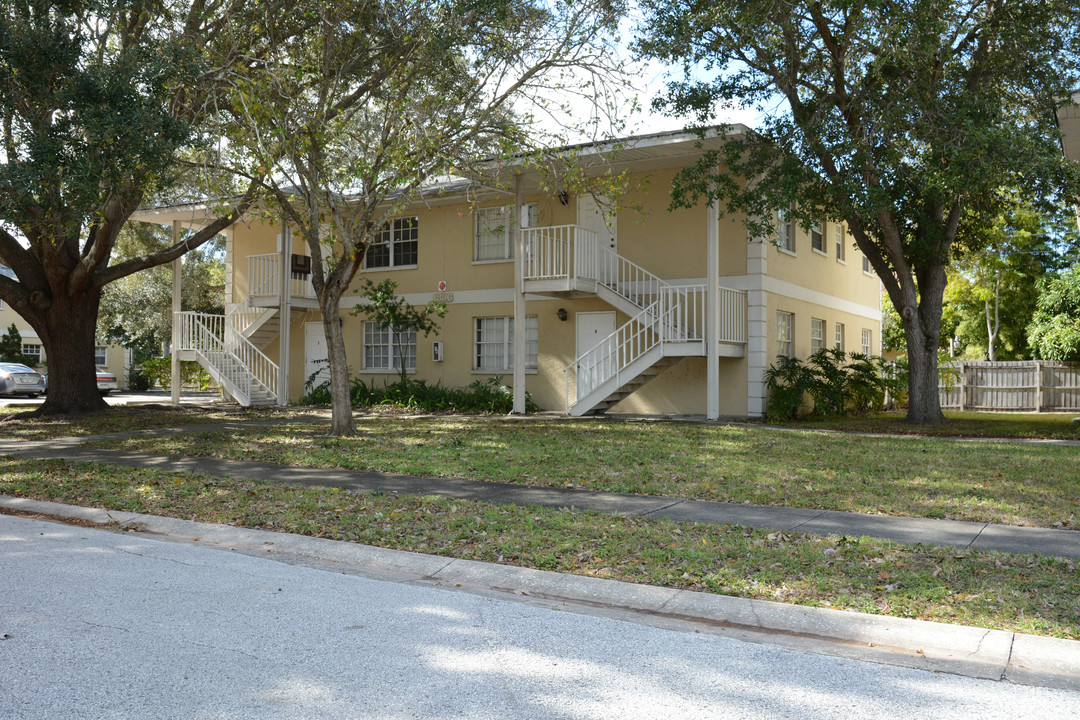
{"points": [[907, 530]]}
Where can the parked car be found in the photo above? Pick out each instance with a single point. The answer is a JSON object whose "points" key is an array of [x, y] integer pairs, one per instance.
{"points": [[16, 379], [106, 382]]}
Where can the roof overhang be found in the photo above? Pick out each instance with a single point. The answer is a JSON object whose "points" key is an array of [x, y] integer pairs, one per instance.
{"points": [[640, 153]]}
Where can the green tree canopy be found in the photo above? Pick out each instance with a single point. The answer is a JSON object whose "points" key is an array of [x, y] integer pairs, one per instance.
{"points": [[993, 291], [902, 118], [102, 103], [1054, 332]]}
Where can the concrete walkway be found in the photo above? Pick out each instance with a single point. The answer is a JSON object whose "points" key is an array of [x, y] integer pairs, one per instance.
{"points": [[907, 530]]}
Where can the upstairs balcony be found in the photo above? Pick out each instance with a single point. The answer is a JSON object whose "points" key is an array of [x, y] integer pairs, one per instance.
{"points": [[264, 283]]}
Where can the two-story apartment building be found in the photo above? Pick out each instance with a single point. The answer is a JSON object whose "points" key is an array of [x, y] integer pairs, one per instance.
{"points": [[111, 357], [640, 310]]}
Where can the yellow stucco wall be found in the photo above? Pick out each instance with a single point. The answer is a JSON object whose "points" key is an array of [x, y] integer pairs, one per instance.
{"points": [[670, 244]]}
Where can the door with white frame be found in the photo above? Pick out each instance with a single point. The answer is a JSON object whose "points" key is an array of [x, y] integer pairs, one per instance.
{"points": [[315, 354], [595, 336], [591, 216]]}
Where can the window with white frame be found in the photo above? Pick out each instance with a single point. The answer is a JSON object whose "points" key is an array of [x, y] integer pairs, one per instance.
{"points": [[839, 339], [386, 349], [493, 343], [817, 237], [840, 242], [394, 245], [866, 348], [785, 344], [101, 355], [817, 335], [866, 265], [785, 230], [32, 351], [494, 231]]}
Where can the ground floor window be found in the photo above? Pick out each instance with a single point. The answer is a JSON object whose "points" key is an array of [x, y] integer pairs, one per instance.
{"points": [[784, 340], [101, 355], [817, 335], [493, 343], [839, 340], [32, 351], [386, 349], [866, 342]]}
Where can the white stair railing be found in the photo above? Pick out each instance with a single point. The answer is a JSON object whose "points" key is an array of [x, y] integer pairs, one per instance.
{"points": [[241, 365], [678, 316]]}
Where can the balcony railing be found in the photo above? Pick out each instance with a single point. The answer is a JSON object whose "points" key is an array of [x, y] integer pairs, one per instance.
{"points": [[264, 278]]}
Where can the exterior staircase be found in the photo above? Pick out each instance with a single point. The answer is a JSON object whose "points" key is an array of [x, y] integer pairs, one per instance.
{"points": [[230, 346], [666, 322], [242, 369]]}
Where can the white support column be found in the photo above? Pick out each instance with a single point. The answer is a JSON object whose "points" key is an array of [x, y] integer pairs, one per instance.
{"points": [[519, 299], [285, 314], [229, 255], [712, 316], [177, 269], [757, 322]]}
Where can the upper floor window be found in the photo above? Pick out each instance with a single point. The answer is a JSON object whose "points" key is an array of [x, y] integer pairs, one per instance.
{"points": [[494, 231], [785, 344], [101, 355], [840, 242], [866, 265], [395, 245], [817, 236], [785, 230], [817, 334]]}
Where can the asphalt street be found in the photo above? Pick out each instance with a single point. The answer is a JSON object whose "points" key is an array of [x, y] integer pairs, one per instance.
{"points": [[106, 625]]}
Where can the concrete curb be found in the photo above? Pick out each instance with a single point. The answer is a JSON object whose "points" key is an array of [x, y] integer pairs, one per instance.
{"points": [[940, 647]]}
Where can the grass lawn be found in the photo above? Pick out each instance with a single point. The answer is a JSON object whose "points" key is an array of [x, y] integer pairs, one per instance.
{"points": [[1016, 484], [1059, 426], [1029, 594], [133, 417]]}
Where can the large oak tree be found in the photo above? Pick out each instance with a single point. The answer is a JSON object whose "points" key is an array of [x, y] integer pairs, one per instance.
{"points": [[102, 103], [903, 118]]}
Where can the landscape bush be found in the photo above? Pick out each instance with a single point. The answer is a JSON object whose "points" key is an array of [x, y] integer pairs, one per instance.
{"points": [[834, 383], [481, 396]]}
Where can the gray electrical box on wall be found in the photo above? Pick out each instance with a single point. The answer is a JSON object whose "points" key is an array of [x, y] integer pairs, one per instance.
{"points": [[436, 351]]}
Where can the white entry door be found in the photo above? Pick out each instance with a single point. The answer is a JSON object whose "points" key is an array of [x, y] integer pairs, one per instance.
{"points": [[591, 217], [315, 354], [592, 329]]}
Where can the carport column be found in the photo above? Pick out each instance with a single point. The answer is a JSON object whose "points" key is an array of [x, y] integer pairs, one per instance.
{"points": [[519, 299], [712, 315], [284, 314], [177, 271], [757, 325]]}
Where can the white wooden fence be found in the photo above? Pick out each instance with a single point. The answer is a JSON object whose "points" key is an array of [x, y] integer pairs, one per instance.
{"points": [[1026, 385]]}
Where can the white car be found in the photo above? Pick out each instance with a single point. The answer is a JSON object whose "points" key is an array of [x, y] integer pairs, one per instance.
{"points": [[106, 382]]}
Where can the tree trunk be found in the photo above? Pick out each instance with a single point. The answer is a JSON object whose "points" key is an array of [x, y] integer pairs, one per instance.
{"points": [[922, 330], [68, 330], [341, 422]]}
